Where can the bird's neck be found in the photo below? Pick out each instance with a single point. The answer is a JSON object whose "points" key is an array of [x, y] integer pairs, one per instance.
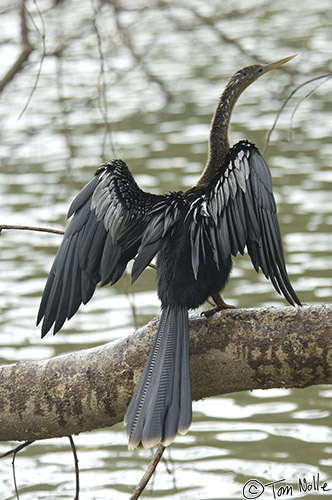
{"points": [[218, 139]]}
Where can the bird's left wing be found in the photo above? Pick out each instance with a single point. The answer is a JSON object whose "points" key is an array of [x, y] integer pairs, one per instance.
{"points": [[109, 217], [238, 210]]}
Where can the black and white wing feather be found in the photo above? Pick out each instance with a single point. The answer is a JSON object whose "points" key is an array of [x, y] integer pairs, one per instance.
{"points": [[109, 218], [162, 219], [238, 210]]}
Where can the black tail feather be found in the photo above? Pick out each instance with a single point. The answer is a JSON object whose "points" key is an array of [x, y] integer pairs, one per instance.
{"points": [[161, 405]]}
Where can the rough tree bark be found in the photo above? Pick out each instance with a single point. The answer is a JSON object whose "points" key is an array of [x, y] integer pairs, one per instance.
{"points": [[235, 350]]}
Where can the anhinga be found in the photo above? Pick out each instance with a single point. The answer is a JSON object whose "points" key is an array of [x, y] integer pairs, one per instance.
{"points": [[193, 234]]}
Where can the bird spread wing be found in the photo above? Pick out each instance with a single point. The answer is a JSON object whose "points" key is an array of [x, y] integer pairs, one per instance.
{"points": [[238, 210], [162, 219], [109, 218]]}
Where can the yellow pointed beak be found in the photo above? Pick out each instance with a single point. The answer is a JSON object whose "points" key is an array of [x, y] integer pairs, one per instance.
{"points": [[276, 64]]}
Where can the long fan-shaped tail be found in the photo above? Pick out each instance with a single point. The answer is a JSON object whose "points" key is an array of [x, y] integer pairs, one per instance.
{"points": [[161, 405]]}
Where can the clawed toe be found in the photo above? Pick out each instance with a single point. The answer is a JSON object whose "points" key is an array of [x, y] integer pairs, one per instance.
{"points": [[210, 312], [219, 305]]}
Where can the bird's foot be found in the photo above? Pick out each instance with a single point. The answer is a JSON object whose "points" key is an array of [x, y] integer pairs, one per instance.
{"points": [[218, 304]]}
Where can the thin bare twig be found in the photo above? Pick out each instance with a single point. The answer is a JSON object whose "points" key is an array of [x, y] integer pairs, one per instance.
{"points": [[136, 56], [31, 228], [26, 50], [42, 35], [14, 477], [148, 473], [45, 230], [299, 104], [17, 449], [77, 472], [14, 452], [223, 37], [267, 142], [64, 110], [126, 281], [102, 98]]}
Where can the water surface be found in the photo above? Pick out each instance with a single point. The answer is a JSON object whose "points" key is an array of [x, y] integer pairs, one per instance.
{"points": [[54, 149]]}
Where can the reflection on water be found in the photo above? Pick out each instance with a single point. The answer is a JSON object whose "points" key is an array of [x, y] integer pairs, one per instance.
{"points": [[48, 155]]}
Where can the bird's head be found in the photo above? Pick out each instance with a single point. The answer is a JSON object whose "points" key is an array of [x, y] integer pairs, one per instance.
{"points": [[245, 76]]}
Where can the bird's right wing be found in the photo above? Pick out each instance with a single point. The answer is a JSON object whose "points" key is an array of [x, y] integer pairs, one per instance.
{"points": [[238, 210], [109, 217]]}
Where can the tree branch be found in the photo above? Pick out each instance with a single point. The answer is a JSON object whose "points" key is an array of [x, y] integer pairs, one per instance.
{"points": [[138, 58], [149, 472], [26, 49], [235, 350]]}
